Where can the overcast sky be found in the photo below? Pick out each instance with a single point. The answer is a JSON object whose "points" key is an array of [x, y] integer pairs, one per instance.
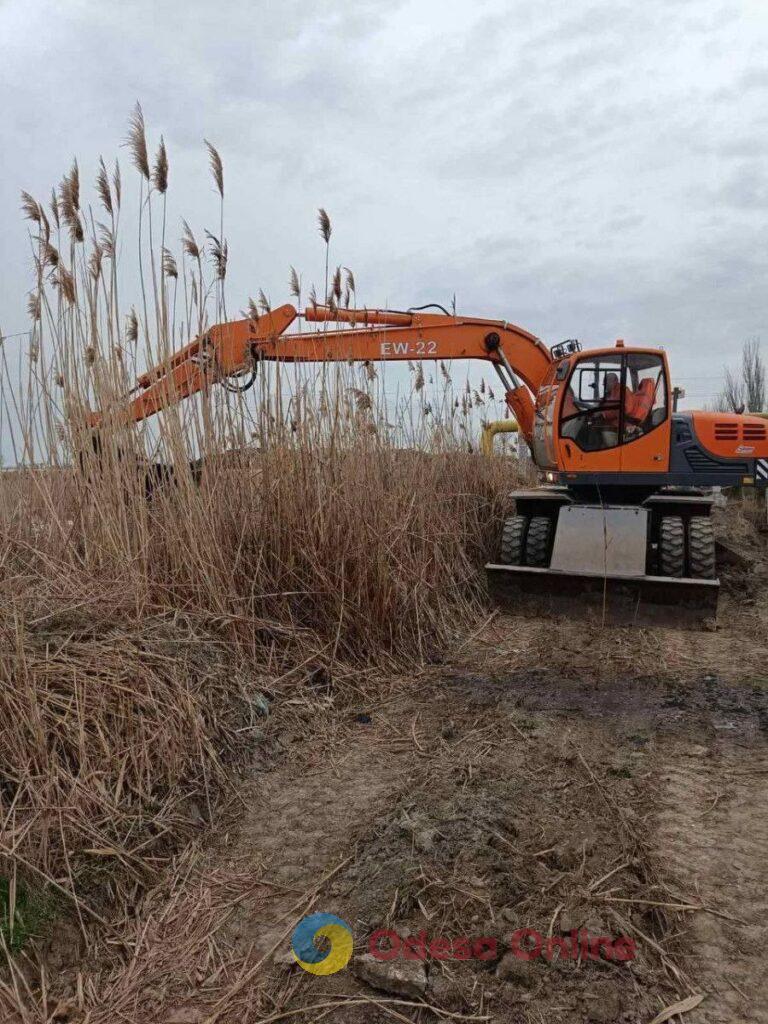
{"points": [[584, 169]]}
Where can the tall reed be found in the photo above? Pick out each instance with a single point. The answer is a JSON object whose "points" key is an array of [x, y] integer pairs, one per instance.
{"points": [[334, 524]]}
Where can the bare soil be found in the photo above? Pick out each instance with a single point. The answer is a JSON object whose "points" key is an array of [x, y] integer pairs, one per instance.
{"points": [[551, 776]]}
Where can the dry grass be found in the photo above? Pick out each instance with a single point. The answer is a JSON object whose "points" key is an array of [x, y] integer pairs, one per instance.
{"points": [[329, 528], [134, 635]]}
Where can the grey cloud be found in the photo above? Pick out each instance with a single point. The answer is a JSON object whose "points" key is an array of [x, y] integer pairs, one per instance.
{"points": [[746, 188], [624, 221], [585, 168], [753, 78]]}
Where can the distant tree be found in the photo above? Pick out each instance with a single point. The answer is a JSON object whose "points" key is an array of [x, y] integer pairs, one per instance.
{"points": [[731, 397], [745, 388], [753, 374]]}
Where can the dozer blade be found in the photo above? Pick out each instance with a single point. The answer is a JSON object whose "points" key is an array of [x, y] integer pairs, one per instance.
{"points": [[610, 599]]}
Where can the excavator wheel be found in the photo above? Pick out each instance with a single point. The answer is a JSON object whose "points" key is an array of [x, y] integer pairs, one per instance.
{"points": [[672, 546], [701, 548], [537, 543], [513, 540]]}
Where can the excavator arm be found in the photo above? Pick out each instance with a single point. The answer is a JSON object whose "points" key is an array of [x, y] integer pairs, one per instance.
{"points": [[232, 349]]}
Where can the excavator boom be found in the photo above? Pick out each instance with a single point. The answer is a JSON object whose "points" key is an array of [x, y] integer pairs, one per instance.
{"points": [[234, 348]]}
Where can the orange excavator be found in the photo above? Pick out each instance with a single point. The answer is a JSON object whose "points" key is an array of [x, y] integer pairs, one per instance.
{"points": [[622, 518]]}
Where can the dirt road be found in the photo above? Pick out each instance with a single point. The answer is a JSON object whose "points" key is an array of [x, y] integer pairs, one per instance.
{"points": [[472, 801]]}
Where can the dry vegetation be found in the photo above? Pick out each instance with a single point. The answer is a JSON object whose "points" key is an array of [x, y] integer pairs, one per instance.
{"points": [[328, 530]]}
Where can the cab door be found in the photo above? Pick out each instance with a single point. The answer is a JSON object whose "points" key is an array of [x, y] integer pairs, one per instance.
{"points": [[614, 414], [590, 415], [646, 418]]}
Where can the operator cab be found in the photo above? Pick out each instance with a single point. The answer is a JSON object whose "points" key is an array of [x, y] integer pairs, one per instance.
{"points": [[613, 399], [593, 405]]}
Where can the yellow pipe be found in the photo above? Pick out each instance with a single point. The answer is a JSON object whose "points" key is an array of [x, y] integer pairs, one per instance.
{"points": [[490, 430]]}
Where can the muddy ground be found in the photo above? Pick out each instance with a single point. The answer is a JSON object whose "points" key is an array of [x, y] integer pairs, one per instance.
{"points": [[552, 777]]}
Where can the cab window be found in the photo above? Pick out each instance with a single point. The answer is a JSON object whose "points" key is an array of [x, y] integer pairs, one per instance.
{"points": [[645, 399], [614, 399], [591, 411], [544, 421]]}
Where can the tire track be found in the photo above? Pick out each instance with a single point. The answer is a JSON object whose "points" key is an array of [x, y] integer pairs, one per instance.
{"points": [[712, 837]]}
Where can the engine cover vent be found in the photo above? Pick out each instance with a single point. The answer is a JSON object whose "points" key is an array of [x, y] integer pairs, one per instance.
{"points": [[754, 432], [726, 431]]}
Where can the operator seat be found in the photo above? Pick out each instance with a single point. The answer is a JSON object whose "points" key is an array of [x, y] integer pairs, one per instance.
{"points": [[638, 404]]}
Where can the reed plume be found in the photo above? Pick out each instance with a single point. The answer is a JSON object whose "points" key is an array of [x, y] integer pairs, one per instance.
{"points": [[294, 285], [55, 208], [188, 242], [102, 187], [106, 240], [117, 184], [217, 167], [74, 185], [336, 288], [219, 254], [95, 260], [51, 256], [136, 142], [65, 281], [324, 225], [160, 170], [69, 205], [132, 326], [169, 264], [30, 207]]}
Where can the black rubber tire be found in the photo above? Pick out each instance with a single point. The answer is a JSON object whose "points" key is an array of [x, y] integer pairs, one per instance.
{"points": [[513, 540], [701, 548], [671, 546], [537, 543]]}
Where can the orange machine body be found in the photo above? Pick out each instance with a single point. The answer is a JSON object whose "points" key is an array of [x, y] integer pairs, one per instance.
{"points": [[627, 431]]}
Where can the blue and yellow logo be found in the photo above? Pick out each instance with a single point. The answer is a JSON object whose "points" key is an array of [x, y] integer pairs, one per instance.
{"points": [[318, 961]]}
